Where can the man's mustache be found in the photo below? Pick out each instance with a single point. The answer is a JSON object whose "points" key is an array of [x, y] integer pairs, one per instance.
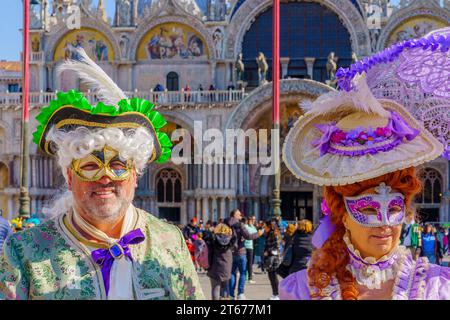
{"points": [[111, 186]]}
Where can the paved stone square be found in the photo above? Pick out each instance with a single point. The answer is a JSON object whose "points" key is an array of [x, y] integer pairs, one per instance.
{"points": [[261, 290]]}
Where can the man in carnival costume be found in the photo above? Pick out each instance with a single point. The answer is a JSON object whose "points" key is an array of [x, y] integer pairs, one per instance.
{"points": [[363, 144], [98, 245]]}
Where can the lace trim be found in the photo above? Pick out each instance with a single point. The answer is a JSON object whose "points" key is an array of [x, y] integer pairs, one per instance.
{"points": [[371, 272], [367, 260]]}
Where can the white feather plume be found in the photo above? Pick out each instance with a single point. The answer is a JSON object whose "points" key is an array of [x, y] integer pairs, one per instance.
{"points": [[358, 99], [88, 71]]}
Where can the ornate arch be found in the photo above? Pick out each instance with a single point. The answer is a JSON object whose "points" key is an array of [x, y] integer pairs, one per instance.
{"points": [[251, 9], [410, 12], [262, 94], [148, 24], [59, 33]]}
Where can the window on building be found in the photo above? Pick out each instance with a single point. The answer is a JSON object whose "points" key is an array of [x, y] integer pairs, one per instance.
{"points": [[168, 186], [306, 30], [13, 87], [431, 187], [172, 81]]}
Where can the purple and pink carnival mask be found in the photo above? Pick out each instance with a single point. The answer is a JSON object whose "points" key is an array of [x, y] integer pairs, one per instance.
{"points": [[376, 210]]}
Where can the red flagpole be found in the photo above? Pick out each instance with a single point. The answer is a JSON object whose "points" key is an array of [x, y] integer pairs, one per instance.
{"points": [[26, 58], [24, 199], [276, 210]]}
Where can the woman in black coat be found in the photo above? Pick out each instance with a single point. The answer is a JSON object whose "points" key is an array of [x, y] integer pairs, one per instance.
{"points": [[301, 246], [220, 256]]}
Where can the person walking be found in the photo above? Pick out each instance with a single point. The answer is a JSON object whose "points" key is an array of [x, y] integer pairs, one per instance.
{"points": [[272, 254], [239, 253], [248, 244], [259, 248], [220, 243]]}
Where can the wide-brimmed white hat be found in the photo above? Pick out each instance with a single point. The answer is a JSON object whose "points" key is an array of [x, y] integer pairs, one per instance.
{"points": [[348, 137]]}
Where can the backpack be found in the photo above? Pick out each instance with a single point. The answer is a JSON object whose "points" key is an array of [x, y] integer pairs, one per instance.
{"points": [[201, 254]]}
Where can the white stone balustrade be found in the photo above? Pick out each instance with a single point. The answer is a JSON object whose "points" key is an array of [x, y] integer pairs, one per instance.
{"points": [[163, 98]]}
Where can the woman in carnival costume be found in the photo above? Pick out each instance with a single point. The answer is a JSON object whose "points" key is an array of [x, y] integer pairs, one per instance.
{"points": [[363, 144], [98, 245]]}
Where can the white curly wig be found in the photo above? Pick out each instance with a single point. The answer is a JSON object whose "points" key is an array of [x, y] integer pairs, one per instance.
{"points": [[135, 144], [76, 144]]}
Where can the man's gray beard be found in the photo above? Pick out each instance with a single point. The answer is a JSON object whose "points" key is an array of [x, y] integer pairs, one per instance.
{"points": [[108, 213]]}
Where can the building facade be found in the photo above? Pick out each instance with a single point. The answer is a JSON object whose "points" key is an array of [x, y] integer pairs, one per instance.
{"points": [[184, 55]]}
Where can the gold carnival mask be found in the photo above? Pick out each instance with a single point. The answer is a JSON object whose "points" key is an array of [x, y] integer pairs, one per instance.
{"points": [[105, 162]]}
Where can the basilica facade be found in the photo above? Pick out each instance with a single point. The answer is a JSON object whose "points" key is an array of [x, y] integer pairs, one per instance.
{"points": [[196, 60]]}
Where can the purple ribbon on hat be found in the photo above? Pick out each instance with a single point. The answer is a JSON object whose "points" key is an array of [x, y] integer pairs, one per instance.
{"points": [[333, 140], [326, 227], [106, 257]]}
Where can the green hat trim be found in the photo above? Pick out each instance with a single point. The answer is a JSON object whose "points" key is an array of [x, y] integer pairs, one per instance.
{"points": [[126, 108]]}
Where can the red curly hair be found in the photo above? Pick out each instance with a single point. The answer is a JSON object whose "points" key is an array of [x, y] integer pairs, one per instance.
{"points": [[332, 258]]}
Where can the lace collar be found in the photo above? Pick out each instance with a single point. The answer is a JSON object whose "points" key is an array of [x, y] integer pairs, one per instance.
{"points": [[369, 271]]}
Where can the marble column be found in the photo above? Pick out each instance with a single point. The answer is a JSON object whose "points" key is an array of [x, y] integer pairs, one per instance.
{"points": [[284, 66], [220, 168], [227, 176], [204, 176], [310, 66], [222, 213], [256, 208], [233, 171], [198, 209], [205, 209], [50, 83], [214, 216], [241, 179], [210, 176]]}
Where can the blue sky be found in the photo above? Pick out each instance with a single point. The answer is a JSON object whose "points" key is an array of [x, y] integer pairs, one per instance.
{"points": [[11, 21]]}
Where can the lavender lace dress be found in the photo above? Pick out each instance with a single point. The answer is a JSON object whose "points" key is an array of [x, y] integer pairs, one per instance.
{"points": [[413, 280]]}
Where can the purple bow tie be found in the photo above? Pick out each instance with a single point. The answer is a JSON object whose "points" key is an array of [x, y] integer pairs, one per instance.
{"points": [[106, 257]]}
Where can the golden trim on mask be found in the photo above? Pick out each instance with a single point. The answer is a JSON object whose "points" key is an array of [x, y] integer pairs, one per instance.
{"points": [[109, 156]]}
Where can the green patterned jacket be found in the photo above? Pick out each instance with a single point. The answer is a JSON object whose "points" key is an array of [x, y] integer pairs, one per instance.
{"points": [[48, 262]]}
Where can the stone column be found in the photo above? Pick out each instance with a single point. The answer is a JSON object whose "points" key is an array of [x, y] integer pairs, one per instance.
{"points": [[233, 168], [214, 216], [310, 66], [284, 66], [222, 213], [50, 83], [227, 176], [241, 179], [216, 176], [205, 209], [256, 208], [198, 209], [210, 176], [220, 168], [204, 176]]}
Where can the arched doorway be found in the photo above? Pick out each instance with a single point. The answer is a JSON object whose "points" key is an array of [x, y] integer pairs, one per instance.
{"points": [[428, 201], [4, 182], [303, 35], [172, 81], [168, 194]]}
